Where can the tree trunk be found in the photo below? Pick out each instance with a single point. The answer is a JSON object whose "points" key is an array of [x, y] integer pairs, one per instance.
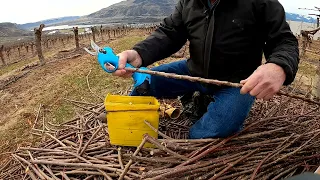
{"points": [[27, 48], [76, 36], [62, 41], [93, 29], [8, 54], [32, 50], [109, 36], [1, 55], [19, 51], [38, 33], [101, 31]]}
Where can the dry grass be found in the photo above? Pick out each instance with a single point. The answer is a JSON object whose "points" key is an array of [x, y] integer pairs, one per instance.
{"points": [[49, 85]]}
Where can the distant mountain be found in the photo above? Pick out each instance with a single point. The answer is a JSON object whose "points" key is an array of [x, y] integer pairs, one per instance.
{"points": [[12, 30], [47, 22], [134, 8], [144, 11], [301, 18]]}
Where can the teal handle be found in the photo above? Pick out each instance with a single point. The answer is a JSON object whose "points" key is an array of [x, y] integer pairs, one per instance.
{"points": [[106, 56]]}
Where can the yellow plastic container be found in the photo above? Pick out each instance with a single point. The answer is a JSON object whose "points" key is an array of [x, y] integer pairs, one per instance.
{"points": [[125, 119]]}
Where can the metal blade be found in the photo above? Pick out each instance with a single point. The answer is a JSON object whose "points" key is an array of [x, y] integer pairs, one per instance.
{"points": [[95, 46], [92, 53]]}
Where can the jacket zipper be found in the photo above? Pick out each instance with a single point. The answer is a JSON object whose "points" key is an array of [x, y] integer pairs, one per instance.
{"points": [[208, 45]]}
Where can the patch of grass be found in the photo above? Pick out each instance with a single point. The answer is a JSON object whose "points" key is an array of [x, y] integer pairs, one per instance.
{"points": [[125, 43], [11, 67], [62, 112], [15, 136], [307, 69]]}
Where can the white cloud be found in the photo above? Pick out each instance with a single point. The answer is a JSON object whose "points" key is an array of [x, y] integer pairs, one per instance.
{"points": [[23, 11]]}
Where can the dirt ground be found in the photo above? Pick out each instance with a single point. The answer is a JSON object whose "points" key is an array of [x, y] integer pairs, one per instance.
{"points": [[48, 85]]}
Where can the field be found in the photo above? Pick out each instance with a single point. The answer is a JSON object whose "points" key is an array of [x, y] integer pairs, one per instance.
{"points": [[71, 75]]}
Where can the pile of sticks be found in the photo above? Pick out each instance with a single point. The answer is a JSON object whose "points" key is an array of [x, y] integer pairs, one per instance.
{"points": [[280, 139]]}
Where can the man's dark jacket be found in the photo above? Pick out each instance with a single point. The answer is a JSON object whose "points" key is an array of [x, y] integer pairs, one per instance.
{"points": [[226, 40]]}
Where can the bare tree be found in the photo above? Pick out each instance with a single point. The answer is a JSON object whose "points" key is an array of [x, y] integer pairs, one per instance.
{"points": [[93, 29], [1, 55], [76, 36], [101, 31], [38, 33], [31, 46], [109, 36], [19, 51]]}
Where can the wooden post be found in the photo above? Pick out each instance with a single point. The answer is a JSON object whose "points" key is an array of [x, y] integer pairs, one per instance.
{"points": [[101, 31], [32, 50], [109, 36], [19, 51], [38, 33], [62, 41], [8, 53], [27, 48], [76, 36], [93, 29], [1, 55]]}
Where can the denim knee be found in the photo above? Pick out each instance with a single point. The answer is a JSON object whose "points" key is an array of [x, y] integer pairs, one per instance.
{"points": [[208, 127], [224, 117]]}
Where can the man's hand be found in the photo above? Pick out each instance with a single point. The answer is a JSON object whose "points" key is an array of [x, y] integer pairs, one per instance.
{"points": [[265, 81], [129, 56]]}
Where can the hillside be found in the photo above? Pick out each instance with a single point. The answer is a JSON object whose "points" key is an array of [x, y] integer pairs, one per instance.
{"points": [[47, 22], [147, 11], [12, 30], [134, 8]]}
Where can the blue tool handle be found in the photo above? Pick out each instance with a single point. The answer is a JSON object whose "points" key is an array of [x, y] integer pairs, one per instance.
{"points": [[107, 56]]}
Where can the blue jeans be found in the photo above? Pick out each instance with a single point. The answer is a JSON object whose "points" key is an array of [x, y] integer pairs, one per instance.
{"points": [[224, 117]]}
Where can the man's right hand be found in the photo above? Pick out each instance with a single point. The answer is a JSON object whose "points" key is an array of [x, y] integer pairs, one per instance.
{"points": [[129, 56]]}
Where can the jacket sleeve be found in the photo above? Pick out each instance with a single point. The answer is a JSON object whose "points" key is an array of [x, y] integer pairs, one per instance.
{"points": [[167, 39], [281, 46]]}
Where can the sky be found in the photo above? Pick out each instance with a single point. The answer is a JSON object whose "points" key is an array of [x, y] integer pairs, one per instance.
{"points": [[24, 11]]}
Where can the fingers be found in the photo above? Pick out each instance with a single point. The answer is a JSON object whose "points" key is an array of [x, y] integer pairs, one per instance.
{"points": [[123, 57], [250, 83]]}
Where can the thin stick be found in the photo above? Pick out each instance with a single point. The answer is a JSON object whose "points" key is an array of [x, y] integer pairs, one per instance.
{"points": [[30, 165], [156, 130], [120, 158], [210, 81], [87, 109], [232, 164], [90, 88], [83, 165], [57, 140], [206, 152], [184, 77], [64, 175], [37, 117], [153, 141], [130, 161], [87, 144]]}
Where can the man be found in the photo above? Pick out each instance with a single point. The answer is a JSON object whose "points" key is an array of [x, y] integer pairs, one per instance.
{"points": [[227, 39]]}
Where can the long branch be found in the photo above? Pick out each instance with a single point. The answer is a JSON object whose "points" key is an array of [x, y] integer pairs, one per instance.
{"points": [[210, 81]]}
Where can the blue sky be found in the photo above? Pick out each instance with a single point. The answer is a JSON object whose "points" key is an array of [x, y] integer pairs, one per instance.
{"points": [[23, 11]]}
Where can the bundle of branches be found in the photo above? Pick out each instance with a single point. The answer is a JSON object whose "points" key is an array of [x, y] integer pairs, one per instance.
{"points": [[280, 139]]}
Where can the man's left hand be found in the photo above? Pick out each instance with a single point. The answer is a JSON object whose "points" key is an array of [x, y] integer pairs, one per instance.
{"points": [[264, 82]]}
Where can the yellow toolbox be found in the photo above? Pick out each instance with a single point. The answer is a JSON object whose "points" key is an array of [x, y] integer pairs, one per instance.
{"points": [[126, 116]]}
